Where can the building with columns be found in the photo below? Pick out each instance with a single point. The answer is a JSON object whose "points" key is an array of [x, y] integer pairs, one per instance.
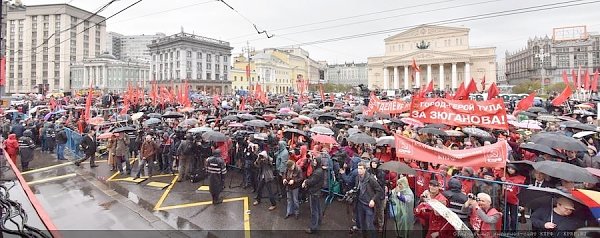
{"points": [[201, 61], [109, 74], [442, 54]]}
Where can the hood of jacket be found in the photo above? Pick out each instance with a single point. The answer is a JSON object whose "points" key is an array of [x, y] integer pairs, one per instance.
{"points": [[282, 146], [454, 184], [12, 137]]}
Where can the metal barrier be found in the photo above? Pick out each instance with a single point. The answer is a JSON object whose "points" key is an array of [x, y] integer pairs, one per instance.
{"points": [[73, 141]]}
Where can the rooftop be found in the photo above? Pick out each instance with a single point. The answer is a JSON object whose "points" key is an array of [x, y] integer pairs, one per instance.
{"points": [[188, 36]]}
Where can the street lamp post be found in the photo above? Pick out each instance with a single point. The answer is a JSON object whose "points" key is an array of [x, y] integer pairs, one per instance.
{"points": [[541, 56]]}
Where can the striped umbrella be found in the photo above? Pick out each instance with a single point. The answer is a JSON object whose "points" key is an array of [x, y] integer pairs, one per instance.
{"points": [[590, 198]]}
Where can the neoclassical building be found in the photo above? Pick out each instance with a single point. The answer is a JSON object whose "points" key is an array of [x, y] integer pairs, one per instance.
{"points": [[442, 54]]}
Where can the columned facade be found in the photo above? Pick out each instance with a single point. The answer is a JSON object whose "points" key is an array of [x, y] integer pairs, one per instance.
{"points": [[442, 55]]}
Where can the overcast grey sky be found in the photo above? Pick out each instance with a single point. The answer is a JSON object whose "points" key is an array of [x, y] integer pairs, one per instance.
{"points": [[291, 22]]}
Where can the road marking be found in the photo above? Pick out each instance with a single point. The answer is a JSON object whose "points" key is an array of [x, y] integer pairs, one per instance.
{"points": [[117, 173], [166, 193], [158, 185], [203, 188], [246, 209], [131, 179], [52, 179], [46, 168], [97, 161]]}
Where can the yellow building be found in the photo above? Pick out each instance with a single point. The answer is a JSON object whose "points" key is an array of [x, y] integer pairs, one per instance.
{"points": [[239, 79]]}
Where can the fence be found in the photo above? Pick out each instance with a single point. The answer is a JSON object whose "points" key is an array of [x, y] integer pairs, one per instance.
{"points": [[73, 141]]}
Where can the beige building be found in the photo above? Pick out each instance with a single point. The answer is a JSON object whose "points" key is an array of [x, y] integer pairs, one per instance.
{"points": [[442, 54], [43, 41]]}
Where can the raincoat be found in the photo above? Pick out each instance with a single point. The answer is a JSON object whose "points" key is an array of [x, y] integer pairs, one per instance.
{"points": [[12, 147], [402, 206]]}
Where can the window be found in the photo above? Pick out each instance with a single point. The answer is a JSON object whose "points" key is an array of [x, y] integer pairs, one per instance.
{"points": [[208, 66], [177, 55], [199, 66], [199, 55], [188, 65], [225, 59], [217, 77], [189, 54], [208, 58], [188, 75], [46, 17], [235, 78], [177, 64], [208, 76]]}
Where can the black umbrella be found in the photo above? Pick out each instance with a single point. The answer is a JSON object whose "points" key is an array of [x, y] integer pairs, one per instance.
{"points": [[374, 125], [327, 116], [581, 126], [537, 110], [270, 110], [535, 197], [529, 114], [123, 129], [436, 125], [398, 167], [230, 118], [565, 171], [151, 121], [172, 115], [432, 131], [538, 148], [214, 136], [246, 117], [288, 132], [523, 166], [472, 131], [360, 138], [256, 123], [358, 123], [154, 115], [297, 121], [558, 141], [386, 141]]}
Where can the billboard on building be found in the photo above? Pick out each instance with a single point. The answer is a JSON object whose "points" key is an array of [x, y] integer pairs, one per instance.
{"points": [[569, 33]]}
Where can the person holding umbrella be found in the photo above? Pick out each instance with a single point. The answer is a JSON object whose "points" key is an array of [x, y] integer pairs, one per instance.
{"points": [[556, 219]]}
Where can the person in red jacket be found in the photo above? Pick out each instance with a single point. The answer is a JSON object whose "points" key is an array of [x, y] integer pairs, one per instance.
{"points": [[511, 192], [11, 145], [436, 225], [485, 219]]}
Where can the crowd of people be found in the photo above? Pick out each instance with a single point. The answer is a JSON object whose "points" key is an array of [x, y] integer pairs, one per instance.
{"points": [[306, 151]]}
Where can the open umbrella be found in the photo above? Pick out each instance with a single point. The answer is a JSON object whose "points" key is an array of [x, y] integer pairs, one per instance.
{"points": [[398, 167], [151, 121], [325, 139], [461, 228], [581, 126], [537, 110], [548, 118], [246, 117], [201, 129], [297, 121], [536, 197], [96, 121], [558, 141], [538, 148], [288, 132], [375, 125], [589, 198], [306, 119], [413, 122], [361, 138], [565, 171], [476, 132], [154, 115], [104, 136], [584, 106], [280, 122], [189, 122], [566, 118], [454, 133], [123, 129], [528, 114], [582, 134], [125, 117], [230, 118], [236, 125], [321, 130], [432, 131], [583, 112], [172, 115], [353, 131], [214, 136], [529, 126], [137, 116], [326, 116], [386, 141], [256, 123]]}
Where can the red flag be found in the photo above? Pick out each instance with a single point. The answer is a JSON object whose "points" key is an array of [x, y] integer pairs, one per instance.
{"points": [[483, 84], [3, 70], [471, 87], [428, 89], [415, 67], [186, 95], [460, 91], [594, 86], [125, 108], [216, 100], [88, 105], [321, 92], [566, 93], [52, 104], [565, 78], [574, 77], [493, 91], [586, 80], [242, 104], [526, 102]]}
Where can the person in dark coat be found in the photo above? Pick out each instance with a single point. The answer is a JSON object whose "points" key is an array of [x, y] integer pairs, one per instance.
{"points": [[264, 163], [215, 166], [26, 147], [313, 185], [88, 146], [18, 129], [61, 141], [456, 199]]}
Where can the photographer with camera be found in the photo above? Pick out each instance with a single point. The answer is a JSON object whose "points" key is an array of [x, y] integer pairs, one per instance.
{"points": [[435, 225], [369, 192], [264, 163], [485, 220], [313, 185]]}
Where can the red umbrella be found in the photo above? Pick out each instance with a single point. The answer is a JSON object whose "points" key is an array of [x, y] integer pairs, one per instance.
{"points": [[412, 122], [105, 135], [96, 121], [325, 139], [269, 117]]}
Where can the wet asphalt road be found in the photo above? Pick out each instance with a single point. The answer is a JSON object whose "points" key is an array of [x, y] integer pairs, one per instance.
{"points": [[92, 199]]}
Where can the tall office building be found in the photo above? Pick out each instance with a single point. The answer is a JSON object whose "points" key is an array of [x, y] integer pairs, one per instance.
{"points": [[42, 42]]}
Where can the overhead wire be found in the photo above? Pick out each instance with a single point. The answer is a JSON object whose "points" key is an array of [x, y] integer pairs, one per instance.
{"points": [[537, 8], [248, 20]]}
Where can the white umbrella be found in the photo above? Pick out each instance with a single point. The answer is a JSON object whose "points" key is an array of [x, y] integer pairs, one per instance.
{"points": [[322, 130], [384, 121], [451, 217], [582, 134], [137, 116]]}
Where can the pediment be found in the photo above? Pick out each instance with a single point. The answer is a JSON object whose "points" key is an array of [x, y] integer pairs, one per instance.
{"points": [[425, 55], [426, 30]]}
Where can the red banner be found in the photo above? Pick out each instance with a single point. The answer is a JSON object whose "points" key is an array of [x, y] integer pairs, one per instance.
{"points": [[387, 107], [494, 155], [489, 114]]}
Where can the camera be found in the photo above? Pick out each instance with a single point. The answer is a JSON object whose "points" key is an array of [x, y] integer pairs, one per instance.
{"points": [[473, 197], [350, 196]]}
